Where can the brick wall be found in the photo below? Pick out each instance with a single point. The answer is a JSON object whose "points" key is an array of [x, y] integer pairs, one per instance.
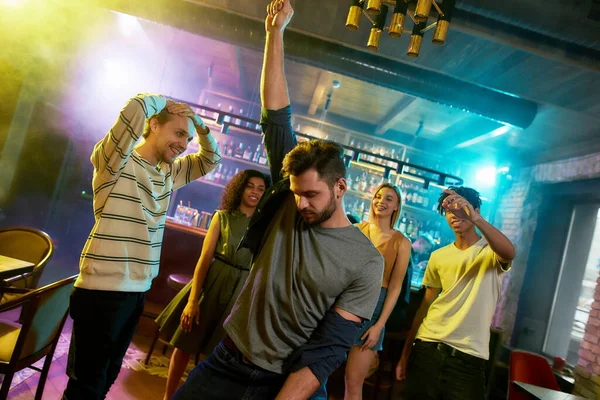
{"points": [[517, 218], [587, 371]]}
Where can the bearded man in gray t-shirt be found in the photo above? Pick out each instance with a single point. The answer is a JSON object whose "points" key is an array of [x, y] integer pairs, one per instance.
{"points": [[315, 277]]}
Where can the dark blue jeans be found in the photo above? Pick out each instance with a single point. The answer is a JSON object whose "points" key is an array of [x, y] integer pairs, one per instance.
{"points": [[103, 325], [435, 374], [226, 376]]}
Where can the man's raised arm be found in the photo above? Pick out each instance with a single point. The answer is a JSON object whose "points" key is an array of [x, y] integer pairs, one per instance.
{"points": [[273, 85], [279, 138]]}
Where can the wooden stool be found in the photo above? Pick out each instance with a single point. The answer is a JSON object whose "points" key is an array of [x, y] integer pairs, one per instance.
{"points": [[178, 281], [392, 350]]}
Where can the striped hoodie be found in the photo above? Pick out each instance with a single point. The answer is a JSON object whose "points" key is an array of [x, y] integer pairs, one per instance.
{"points": [[131, 198]]}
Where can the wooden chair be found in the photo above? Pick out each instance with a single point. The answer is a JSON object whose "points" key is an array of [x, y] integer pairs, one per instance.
{"points": [[43, 317], [27, 244]]}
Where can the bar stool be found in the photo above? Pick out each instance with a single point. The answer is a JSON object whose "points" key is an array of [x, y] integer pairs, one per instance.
{"points": [[177, 282], [389, 357]]}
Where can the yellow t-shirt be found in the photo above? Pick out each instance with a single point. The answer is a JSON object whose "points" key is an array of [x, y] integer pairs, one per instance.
{"points": [[471, 281]]}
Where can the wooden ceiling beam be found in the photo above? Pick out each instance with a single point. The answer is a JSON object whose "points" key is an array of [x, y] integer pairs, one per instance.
{"points": [[323, 84], [395, 114]]}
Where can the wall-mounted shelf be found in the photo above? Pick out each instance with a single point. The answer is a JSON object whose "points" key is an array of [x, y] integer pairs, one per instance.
{"points": [[247, 162], [205, 182], [389, 165]]}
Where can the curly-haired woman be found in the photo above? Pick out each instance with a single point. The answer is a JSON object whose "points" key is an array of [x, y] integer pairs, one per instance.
{"points": [[194, 318]]}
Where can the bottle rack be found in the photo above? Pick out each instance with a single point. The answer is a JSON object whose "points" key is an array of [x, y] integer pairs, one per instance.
{"points": [[421, 186]]}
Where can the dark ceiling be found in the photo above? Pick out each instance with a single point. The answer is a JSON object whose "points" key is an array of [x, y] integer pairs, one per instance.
{"points": [[533, 65]]}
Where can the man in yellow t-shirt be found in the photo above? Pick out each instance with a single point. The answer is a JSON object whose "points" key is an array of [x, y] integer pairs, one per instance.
{"points": [[446, 349]]}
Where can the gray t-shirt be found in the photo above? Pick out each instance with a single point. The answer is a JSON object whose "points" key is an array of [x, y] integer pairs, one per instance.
{"points": [[300, 273]]}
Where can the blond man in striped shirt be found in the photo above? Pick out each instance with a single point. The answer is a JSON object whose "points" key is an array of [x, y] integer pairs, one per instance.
{"points": [[132, 183]]}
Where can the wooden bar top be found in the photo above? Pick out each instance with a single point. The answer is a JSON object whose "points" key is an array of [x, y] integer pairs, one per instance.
{"points": [[180, 252], [185, 228]]}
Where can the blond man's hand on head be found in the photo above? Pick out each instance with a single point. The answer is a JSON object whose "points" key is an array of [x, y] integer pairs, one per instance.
{"points": [[185, 110]]}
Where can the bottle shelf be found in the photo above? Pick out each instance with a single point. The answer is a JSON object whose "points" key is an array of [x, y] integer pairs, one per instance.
{"points": [[371, 163], [405, 207], [389, 164], [247, 162], [416, 209], [362, 195], [204, 181]]}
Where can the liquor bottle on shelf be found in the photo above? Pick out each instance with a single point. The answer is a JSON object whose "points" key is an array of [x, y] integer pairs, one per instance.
{"points": [[216, 113], [419, 197], [363, 183], [230, 149], [389, 154], [403, 222], [224, 149], [410, 227], [356, 183], [224, 175], [227, 118], [360, 209], [366, 214], [219, 171], [239, 151], [263, 158], [349, 180], [348, 205], [179, 211], [436, 233], [372, 184], [237, 120], [368, 157], [247, 154], [426, 228], [416, 229], [189, 214], [256, 157], [227, 176]]}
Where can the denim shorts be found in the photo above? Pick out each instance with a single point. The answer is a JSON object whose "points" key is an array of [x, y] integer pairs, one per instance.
{"points": [[376, 314]]}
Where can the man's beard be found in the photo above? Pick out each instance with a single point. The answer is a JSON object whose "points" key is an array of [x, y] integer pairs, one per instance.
{"points": [[323, 215]]}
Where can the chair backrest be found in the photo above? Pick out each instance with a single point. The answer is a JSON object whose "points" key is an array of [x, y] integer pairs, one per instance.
{"points": [[44, 313], [529, 368], [27, 244]]}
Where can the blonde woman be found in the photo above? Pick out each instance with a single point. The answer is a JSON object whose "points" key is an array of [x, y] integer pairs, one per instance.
{"points": [[395, 248]]}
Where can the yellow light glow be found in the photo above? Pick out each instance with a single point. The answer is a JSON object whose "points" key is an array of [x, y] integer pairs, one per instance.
{"points": [[12, 3]]}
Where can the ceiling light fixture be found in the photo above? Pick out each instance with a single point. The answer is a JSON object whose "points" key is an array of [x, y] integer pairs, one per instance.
{"points": [[376, 12]]}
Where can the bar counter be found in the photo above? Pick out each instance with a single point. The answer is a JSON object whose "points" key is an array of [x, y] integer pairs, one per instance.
{"points": [[181, 249]]}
